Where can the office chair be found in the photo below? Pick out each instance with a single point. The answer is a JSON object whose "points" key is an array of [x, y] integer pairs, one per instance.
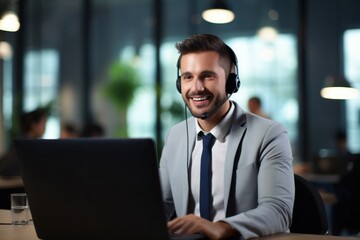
{"points": [[309, 215]]}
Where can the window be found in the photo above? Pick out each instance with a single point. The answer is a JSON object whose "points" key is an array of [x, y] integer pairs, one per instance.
{"points": [[6, 95], [40, 85], [143, 105], [352, 73], [268, 69]]}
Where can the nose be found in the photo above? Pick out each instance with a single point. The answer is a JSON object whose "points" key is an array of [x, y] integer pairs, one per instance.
{"points": [[198, 85]]}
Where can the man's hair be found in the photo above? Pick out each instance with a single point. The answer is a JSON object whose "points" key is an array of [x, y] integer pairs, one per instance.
{"points": [[203, 43]]}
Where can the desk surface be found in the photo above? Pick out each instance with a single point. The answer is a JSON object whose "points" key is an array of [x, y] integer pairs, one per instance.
{"points": [[12, 232], [295, 236]]}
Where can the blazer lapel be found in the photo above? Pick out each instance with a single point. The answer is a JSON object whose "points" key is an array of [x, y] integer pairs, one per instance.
{"points": [[188, 147], [237, 131]]}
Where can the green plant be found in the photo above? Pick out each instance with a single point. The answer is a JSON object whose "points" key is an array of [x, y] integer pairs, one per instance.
{"points": [[122, 84], [120, 90]]}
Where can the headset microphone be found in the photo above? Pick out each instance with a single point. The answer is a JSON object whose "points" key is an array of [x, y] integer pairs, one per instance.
{"points": [[209, 114]]}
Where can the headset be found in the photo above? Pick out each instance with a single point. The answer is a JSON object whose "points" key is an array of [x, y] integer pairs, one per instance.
{"points": [[232, 81]]}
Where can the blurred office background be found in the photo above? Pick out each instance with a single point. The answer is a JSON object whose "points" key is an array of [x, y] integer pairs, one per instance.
{"points": [[66, 52]]}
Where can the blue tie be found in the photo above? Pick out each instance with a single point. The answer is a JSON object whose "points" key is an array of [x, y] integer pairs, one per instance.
{"points": [[205, 176]]}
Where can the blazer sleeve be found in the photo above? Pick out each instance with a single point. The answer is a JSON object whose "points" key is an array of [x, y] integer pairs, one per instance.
{"points": [[265, 146], [165, 184], [173, 171]]}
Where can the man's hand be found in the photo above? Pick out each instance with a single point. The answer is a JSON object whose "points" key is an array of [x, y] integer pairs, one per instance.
{"points": [[191, 224]]}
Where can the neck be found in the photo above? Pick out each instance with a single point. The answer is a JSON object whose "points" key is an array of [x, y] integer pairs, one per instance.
{"points": [[212, 121]]}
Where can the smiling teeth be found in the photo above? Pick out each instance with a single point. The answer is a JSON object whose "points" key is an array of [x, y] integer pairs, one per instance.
{"points": [[199, 99]]}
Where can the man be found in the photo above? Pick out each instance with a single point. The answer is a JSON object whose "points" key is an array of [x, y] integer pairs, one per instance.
{"points": [[251, 176]]}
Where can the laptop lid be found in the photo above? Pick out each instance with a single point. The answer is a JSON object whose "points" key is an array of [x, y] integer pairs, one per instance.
{"points": [[93, 188]]}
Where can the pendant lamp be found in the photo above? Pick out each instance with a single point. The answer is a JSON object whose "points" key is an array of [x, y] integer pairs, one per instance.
{"points": [[9, 20], [337, 87], [219, 13]]}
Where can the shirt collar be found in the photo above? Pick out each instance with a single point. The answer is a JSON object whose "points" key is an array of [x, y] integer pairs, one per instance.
{"points": [[221, 129]]}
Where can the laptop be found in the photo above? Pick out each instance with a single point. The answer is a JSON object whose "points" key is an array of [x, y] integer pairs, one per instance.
{"points": [[93, 188]]}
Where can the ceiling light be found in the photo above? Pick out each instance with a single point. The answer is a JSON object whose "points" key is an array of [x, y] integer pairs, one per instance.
{"points": [[267, 33], [5, 50], [9, 22], [219, 13], [338, 88]]}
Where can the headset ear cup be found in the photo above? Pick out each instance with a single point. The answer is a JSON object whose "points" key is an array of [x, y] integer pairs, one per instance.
{"points": [[178, 84], [232, 83], [237, 83]]}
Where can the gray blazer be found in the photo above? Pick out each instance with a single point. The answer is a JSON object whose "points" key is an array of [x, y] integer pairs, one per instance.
{"points": [[259, 178]]}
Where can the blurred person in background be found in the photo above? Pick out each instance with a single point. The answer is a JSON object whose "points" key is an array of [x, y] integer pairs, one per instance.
{"points": [[255, 107], [32, 125], [68, 130], [93, 129]]}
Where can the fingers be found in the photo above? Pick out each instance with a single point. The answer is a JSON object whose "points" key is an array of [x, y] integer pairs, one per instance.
{"points": [[188, 224], [192, 224]]}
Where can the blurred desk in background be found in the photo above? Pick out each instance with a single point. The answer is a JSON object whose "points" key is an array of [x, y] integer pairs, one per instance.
{"points": [[324, 183], [321, 178], [11, 182]]}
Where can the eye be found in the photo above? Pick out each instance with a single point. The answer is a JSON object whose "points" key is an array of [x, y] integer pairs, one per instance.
{"points": [[207, 75], [186, 76]]}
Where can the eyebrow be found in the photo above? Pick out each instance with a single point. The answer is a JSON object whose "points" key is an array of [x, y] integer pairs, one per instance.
{"points": [[208, 72], [201, 73]]}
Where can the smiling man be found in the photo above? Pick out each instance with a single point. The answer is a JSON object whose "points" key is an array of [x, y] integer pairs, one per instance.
{"points": [[224, 172]]}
